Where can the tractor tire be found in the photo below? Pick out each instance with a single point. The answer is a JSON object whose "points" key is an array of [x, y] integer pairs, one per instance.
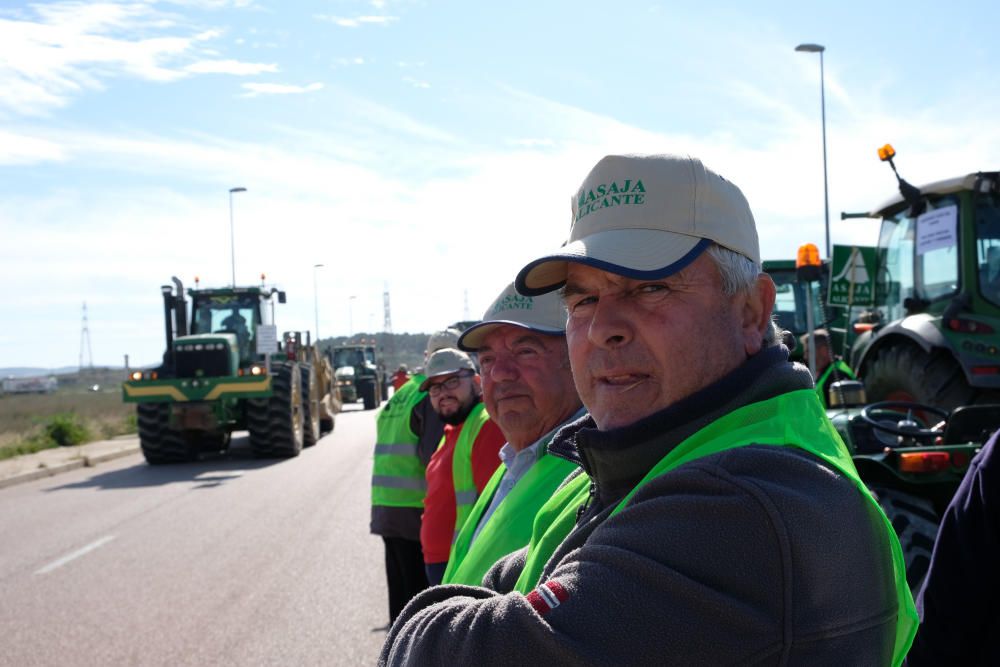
{"points": [[907, 373], [369, 394], [916, 526], [275, 423], [310, 406], [160, 442], [326, 425]]}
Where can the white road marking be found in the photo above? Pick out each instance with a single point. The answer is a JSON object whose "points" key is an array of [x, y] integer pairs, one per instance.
{"points": [[76, 554]]}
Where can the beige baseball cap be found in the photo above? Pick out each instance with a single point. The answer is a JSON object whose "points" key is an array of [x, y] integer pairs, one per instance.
{"points": [[544, 314], [445, 362], [644, 217]]}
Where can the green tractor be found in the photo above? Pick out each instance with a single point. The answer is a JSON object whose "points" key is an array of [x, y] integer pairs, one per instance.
{"points": [[227, 371], [911, 456], [933, 335], [359, 374]]}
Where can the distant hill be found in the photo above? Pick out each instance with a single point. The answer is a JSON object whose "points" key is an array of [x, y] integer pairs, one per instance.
{"points": [[31, 372]]}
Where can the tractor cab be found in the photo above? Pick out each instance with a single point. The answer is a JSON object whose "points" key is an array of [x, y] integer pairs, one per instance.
{"points": [[936, 319]]}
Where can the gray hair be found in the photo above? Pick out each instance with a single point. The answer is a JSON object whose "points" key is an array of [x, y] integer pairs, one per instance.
{"points": [[739, 274]]}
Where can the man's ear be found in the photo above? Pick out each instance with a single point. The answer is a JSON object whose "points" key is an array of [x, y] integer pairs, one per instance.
{"points": [[757, 308]]}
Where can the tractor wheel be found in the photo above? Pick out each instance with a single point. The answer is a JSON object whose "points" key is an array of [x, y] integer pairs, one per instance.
{"points": [[310, 406], [275, 423], [160, 442], [369, 394], [907, 373], [326, 425], [916, 525]]}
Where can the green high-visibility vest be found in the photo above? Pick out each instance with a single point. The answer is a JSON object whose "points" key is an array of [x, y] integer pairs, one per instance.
{"points": [[795, 419], [397, 472], [466, 492], [841, 368], [509, 527]]}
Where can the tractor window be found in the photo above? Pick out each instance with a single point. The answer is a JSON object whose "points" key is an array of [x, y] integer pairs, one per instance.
{"points": [[785, 310], [790, 302], [225, 313], [347, 357], [937, 250], [895, 271], [988, 248]]}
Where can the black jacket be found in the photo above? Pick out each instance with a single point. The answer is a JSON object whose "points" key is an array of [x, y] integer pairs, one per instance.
{"points": [[959, 603]]}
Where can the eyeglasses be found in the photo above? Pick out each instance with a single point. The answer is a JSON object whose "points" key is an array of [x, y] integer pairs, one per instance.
{"points": [[450, 383]]}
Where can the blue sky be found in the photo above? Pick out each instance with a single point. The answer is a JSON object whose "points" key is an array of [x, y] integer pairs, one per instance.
{"points": [[430, 148]]}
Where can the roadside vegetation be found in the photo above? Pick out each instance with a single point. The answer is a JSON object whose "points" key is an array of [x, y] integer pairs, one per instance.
{"points": [[33, 422]]}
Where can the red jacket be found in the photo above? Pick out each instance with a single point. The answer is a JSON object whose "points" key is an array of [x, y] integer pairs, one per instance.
{"points": [[438, 525]]}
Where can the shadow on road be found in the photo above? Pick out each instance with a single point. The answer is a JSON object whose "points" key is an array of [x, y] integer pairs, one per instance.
{"points": [[210, 471]]}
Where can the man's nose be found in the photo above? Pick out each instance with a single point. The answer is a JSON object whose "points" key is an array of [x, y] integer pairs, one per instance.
{"points": [[609, 327]]}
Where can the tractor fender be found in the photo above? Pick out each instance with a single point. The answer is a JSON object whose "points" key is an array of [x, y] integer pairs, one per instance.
{"points": [[918, 329]]}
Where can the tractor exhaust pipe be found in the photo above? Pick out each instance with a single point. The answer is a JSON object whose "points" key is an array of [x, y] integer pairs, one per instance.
{"points": [[180, 308], [168, 321]]}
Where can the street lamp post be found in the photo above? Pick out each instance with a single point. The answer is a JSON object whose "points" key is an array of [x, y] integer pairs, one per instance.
{"points": [[819, 48], [350, 315], [316, 299], [232, 234]]}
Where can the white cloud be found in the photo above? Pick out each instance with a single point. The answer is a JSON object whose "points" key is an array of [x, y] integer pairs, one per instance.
{"points": [[17, 149], [234, 67], [69, 48], [357, 21], [416, 83], [255, 89]]}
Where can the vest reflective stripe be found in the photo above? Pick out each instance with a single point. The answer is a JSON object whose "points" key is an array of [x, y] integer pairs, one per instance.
{"points": [[397, 472], [841, 368], [391, 482], [404, 449], [461, 465], [795, 419], [509, 527]]}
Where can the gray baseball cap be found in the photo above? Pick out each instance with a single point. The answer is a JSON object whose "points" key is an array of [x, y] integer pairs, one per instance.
{"points": [[445, 362], [646, 217], [440, 340], [543, 314]]}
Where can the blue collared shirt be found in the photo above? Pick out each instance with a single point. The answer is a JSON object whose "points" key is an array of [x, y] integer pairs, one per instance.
{"points": [[517, 464]]}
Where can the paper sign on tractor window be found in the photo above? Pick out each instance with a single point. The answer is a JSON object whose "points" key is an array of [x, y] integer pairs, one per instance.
{"points": [[937, 229]]}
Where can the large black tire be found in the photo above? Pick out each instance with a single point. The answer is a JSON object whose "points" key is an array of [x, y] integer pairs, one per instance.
{"points": [[916, 525], [160, 442], [369, 394], [904, 372], [326, 425], [310, 406], [275, 423]]}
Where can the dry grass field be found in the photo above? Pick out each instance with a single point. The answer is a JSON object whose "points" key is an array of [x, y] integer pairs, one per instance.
{"points": [[26, 420]]}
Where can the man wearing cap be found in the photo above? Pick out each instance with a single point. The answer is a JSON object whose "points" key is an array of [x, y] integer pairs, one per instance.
{"points": [[464, 461], [528, 390], [407, 433], [721, 520]]}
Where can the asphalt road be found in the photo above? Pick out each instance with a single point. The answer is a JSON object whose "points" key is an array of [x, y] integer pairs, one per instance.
{"points": [[228, 561]]}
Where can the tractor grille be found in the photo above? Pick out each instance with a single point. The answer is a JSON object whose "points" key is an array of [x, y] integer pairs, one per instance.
{"points": [[209, 361]]}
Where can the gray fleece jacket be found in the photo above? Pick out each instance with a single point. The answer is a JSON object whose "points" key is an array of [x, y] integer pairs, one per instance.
{"points": [[757, 555]]}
